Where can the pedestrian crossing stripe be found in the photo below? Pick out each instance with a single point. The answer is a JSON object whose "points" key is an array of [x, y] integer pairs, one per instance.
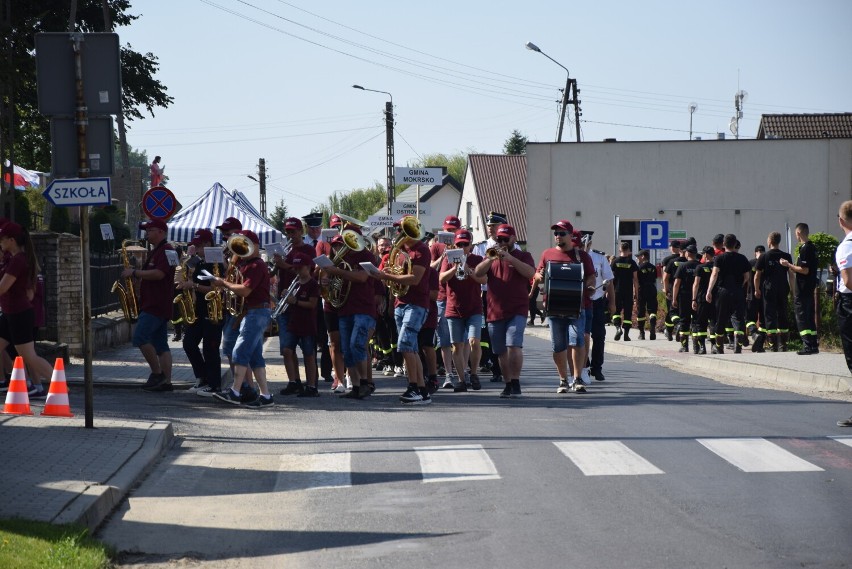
{"points": [[843, 440], [757, 455], [314, 471], [455, 463], [606, 458]]}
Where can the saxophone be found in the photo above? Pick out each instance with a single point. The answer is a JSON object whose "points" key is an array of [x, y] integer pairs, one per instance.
{"points": [[215, 304], [127, 292], [186, 297]]}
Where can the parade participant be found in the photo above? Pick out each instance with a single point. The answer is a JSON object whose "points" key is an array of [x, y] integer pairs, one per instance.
{"points": [[287, 273], [410, 311], [464, 310], [718, 244], [489, 359], [806, 281], [207, 329], [17, 289], [356, 317], [568, 334], [647, 303], [426, 337], [731, 270], [535, 291], [602, 299], [248, 349], [843, 259], [453, 224], [156, 172], [668, 281], [386, 334], [508, 271], [332, 324], [771, 285], [302, 321], [313, 223], [155, 310], [754, 305], [704, 320], [684, 279], [625, 270]]}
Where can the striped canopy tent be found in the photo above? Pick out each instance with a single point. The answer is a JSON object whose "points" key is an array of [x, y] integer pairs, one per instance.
{"points": [[211, 209]]}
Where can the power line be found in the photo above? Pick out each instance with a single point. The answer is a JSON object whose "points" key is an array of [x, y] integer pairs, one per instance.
{"points": [[408, 143], [255, 126], [264, 138], [650, 127]]}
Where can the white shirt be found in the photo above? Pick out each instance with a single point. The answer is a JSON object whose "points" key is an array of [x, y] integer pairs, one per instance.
{"points": [[843, 258], [603, 272]]}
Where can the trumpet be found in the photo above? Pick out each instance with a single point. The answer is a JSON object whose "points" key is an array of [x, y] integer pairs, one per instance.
{"points": [[493, 252], [127, 292], [282, 305], [399, 263], [461, 273]]}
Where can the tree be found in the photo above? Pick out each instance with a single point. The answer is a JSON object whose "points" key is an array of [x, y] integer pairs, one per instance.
{"points": [[360, 203], [278, 215], [515, 144], [455, 164]]}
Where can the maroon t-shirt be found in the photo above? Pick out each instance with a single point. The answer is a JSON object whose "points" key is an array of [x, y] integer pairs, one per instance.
{"points": [[362, 296], [157, 296], [432, 316], [507, 288], [256, 277], [558, 255], [302, 321], [324, 248], [418, 295], [287, 276], [15, 300], [436, 250], [464, 297]]}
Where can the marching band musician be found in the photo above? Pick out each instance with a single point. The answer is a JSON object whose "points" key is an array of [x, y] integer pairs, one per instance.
{"points": [[155, 310], [206, 362], [602, 298], [248, 349], [568, 333], [313, 224], [356, 317], [302, 320], [287, 273], [410, 313], [508, 272], [464, 311], [330, 314], [229, 227], [386, 333], [451, 223]]}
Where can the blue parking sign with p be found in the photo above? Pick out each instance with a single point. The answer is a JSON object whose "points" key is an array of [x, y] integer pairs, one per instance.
{"points": [[654, 234]]}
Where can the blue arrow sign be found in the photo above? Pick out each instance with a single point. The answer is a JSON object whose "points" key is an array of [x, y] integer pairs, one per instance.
{"points": [[79, 191]]}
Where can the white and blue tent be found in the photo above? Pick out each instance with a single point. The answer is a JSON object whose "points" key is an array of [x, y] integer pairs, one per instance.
{"points": [[212, 208]]}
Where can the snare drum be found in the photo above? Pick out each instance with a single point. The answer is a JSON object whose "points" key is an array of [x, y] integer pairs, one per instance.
{"points": [[563, 289]]}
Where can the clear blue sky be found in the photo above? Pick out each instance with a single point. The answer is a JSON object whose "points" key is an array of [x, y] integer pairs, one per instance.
{"points": [[272, 79]]}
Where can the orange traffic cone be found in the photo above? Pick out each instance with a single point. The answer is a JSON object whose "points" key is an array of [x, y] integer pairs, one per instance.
{"points": [[57, 398], [18, 399]]}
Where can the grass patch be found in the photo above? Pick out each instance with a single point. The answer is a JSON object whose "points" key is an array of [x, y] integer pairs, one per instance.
{"points": [[27, 544]]}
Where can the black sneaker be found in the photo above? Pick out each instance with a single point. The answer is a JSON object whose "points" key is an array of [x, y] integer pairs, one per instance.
{"points": [[738, 349], [474, 382], [496, 378], [432, 385], [653, 334], [507, 391], [846, 423], [261, 402], [153, 380], [460, 388], [425, 399], [38, 393], [161, 384], [515, 385], [598, 375], [292, 388], [228, 396], [411, 395], [356, 392], [618, 334], [578, 386], [309, 392], [808, 351]]}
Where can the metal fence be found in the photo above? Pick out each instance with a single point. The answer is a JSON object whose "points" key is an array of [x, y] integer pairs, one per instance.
{"points": [[104, 270]]}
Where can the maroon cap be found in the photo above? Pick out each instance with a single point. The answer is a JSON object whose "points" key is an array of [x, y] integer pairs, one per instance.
{"points": [[293, 223], [251, 235], [201, 236], [463, 236], [576, 238], [451, 223], [298, 259], [155, 223], [337, 239], [335, 221], [230, 224], [563, 225], [11, 229], [505, 230]]}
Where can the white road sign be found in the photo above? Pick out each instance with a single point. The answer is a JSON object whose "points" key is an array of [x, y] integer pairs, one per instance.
{"points": [[381, 221], [398, 209], [419, 176], [79, 191]]}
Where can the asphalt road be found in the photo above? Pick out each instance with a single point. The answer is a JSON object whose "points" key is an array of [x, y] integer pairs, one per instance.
{"points": [[651, 468]]}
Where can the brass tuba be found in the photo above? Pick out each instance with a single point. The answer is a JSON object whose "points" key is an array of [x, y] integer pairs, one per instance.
{"points": [[242, 247], [127, 292], [338, 288], [399, 263], [185, 299]]}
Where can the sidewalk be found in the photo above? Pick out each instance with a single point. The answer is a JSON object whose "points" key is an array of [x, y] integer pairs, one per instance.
{"points": [[56, 470]]}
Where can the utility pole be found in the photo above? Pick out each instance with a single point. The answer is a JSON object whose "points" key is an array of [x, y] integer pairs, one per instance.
{"points": [[389, 129], [570, 96], [261, 171]]}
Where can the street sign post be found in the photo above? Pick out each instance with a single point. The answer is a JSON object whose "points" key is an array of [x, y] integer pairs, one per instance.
{"points": [[654, 234], [79, 192]]}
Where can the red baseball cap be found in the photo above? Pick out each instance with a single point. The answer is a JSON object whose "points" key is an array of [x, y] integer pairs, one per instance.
{"points": [[293, 223], [201, 236], [563, 225], [576, 238], [11, 229], [451, 223], [230, 224], [154, 223], [505, 230], [251, 235], [335, 221], [463, 236]]}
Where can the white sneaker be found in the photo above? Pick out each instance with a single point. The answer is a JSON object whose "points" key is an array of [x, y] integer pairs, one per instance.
{"points": [[399, 371], [448, 383], [205, 391], [586, 376], [389, 371], [198, 385], [341, 387], [348, 383]]}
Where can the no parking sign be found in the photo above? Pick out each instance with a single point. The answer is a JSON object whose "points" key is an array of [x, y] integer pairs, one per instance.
{"points": [[159, 203]]}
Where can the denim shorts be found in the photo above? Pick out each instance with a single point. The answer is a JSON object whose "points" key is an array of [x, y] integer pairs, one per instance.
{"points": [[589, 315], [409, 320], [285, 337], [507, 333], [443, 326], [566, 332], [308, 344], [151, 330], [354, 335], [229, 335], [248, 351], [463, 329]]}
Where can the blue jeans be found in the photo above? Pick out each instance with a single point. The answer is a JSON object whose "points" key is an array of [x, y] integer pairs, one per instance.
{"points": [[248, 351], [507, 333], [354, 334], [443, 330], [285, 337], [462, 329], [151, 330], [566, 332], [409, 320], [229, 335]]}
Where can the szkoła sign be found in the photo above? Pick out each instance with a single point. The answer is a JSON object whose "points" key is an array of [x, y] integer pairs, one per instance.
{"points": [[78, 191]]}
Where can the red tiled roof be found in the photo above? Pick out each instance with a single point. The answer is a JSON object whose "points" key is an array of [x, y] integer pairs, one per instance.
{"points": [[834, 125], [501, 185]]}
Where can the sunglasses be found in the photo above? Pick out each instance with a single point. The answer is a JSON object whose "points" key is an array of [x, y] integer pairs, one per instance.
{"points": [[503, 239], [290, 230], [560, 233], [462, 243]]}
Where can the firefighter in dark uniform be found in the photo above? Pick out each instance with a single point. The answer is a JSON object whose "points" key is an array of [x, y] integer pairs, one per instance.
{"points": [[672, 262], [625, 272], [684, 278], [647, 295], [731, 270], [806, 281], [704, 321], [772, 286], [754, 304]]}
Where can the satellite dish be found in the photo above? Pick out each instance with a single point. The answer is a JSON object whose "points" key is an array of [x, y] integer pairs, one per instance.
{"points": [[733, 125], [692, 108]]}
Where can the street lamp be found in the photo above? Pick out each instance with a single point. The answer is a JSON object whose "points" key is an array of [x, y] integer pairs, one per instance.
{"points": [[389, 143], [692, 108], [568, 81]]}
